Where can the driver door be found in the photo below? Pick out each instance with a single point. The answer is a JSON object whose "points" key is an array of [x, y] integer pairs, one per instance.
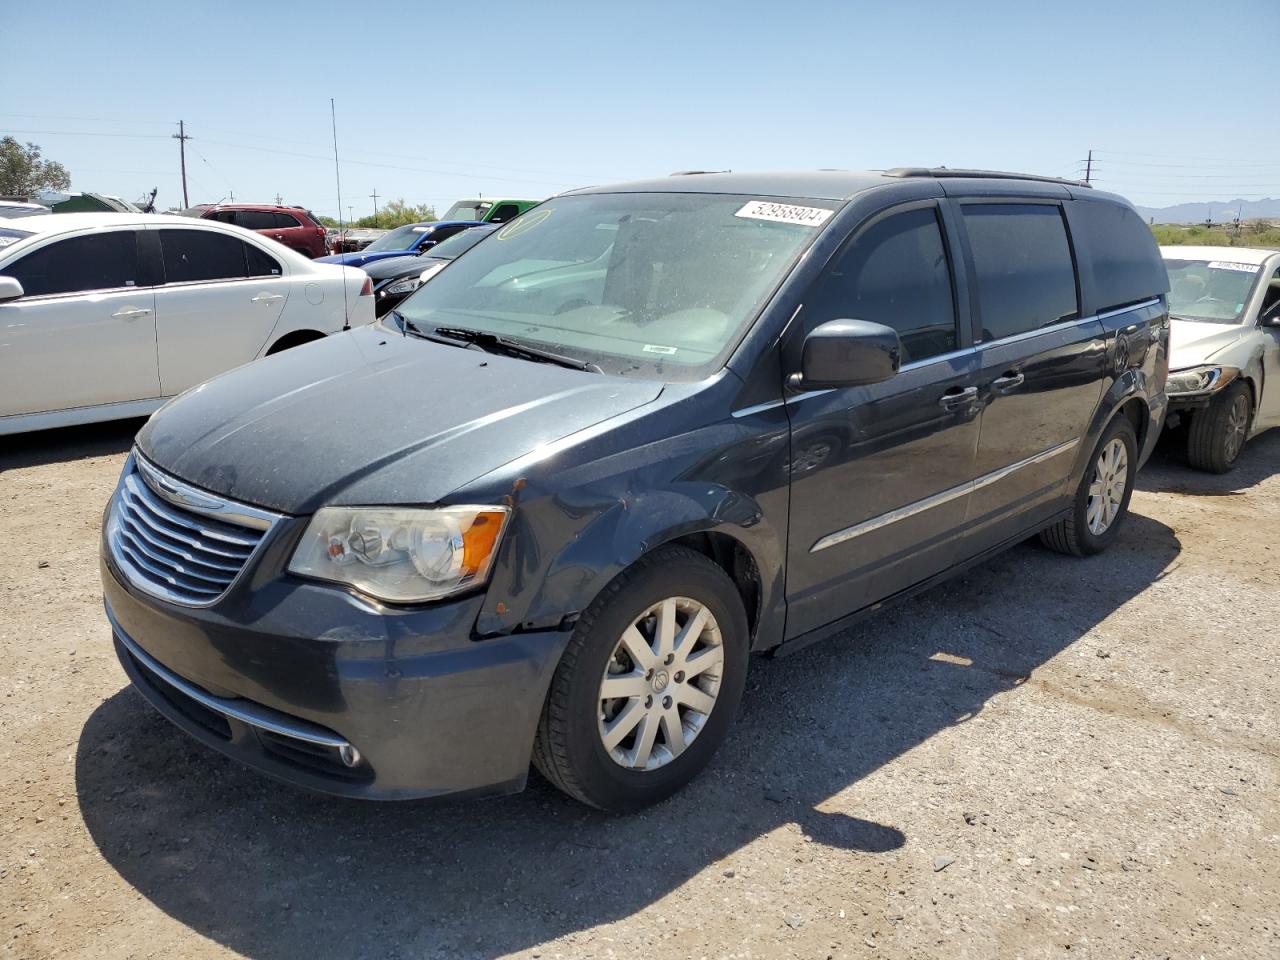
{"points": [[1269, 403], [84, 332], [881, 474]]}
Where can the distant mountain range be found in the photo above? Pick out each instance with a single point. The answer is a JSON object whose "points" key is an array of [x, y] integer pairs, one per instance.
{"points": [[1220, 211]]}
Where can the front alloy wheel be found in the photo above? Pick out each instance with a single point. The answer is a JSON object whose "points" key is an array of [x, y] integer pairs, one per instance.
{"points": [[661, 683], [648, 684], [1218, 432]]}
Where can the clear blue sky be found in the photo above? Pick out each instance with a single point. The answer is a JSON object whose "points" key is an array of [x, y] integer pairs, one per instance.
{"points": [[437, 100]]}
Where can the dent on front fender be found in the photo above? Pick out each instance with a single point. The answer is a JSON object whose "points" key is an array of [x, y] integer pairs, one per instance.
{"points": [[600, 539]]}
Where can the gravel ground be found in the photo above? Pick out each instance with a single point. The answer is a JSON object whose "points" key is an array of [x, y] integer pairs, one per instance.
{"points": [[1043, 756]]}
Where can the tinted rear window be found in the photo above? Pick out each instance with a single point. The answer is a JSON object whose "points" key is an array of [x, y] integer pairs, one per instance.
{"points": [[1026, 278], [191, 255], [1119, 248], [256, 219]]}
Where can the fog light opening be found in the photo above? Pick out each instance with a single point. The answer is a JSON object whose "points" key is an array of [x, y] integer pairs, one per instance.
{"points": [[349, 755]]}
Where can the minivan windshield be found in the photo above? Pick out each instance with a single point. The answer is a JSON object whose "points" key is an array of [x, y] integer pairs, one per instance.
{"points": [[657, 285], [1212, 291]]}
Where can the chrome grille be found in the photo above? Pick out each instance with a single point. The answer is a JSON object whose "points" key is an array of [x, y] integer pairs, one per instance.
{"points": [[168, 539]]}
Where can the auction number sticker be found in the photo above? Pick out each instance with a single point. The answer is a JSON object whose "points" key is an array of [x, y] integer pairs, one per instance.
{"points": [[1238, 267], [784, 213]]}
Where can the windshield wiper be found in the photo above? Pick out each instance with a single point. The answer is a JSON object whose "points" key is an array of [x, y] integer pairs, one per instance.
{"points": [[495, 343]]}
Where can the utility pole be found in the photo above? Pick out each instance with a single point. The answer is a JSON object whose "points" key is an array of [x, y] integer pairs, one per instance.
{"points": [[350, 216], [279, 202], [1088, 168], [375, 205], [182, 138]]}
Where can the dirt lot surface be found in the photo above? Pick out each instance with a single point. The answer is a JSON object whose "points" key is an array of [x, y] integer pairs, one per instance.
{"points": [[1044, 757]]}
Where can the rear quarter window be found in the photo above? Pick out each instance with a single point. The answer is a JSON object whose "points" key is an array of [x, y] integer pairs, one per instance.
{"points": [[1118, 250]]}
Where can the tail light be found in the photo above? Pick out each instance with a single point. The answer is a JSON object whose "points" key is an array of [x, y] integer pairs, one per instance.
{"points": [[367, 289], [320, 232]]}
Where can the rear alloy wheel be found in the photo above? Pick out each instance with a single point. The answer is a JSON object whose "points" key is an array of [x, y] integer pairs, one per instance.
{"points": [[648, 685], [1101, 500], [1218, 432]]}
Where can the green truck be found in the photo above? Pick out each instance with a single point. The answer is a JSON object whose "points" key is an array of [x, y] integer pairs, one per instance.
{"points": [[489, 211]]}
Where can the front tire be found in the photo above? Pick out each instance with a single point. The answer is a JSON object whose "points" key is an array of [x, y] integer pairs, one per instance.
{"points": [[1101, 502], [1218, 432], [648, 685]]}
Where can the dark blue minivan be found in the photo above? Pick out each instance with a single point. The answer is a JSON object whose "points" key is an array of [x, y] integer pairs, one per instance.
{"points": [[547, 509]]}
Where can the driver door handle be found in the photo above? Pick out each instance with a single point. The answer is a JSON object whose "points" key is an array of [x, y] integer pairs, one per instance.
{"points": [[956, 397], [267, 298], [1010, 381], [130, 313]]}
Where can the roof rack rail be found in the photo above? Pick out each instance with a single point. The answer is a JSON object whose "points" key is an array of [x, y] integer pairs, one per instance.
{"points": [[695, 173], [943, 172]]}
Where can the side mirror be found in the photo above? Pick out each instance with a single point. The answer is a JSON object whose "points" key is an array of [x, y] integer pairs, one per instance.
{"points": [[848, 353], [10, 289]]}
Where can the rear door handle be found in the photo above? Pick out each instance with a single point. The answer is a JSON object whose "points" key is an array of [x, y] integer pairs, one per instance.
{"points": [[956, 397], [267, 298], [130, 313], [1010, 381]]}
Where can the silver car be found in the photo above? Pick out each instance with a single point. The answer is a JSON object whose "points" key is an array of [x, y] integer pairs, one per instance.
{"points": [[1224, 365]]}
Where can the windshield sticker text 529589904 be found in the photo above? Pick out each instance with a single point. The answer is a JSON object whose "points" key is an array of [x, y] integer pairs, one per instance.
{"points": [[784, 213], [1229, 265]]}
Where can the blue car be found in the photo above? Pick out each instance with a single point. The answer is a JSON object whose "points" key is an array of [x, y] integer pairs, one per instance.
{"points": [[411, 238]]}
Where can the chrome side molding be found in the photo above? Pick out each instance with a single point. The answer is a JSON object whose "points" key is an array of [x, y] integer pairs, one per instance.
{"points": [[938, 499]]}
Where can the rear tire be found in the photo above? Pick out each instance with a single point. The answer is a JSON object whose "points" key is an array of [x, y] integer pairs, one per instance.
{"points": [[675, 698], [1101, 501], [1218, 432]]}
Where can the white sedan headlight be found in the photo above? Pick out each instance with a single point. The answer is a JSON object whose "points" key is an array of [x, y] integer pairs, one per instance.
{"points": [[401, 554], [1198, 380]]}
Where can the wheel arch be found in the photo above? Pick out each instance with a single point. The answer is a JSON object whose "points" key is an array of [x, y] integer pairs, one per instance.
{"points": [[294, 338]]}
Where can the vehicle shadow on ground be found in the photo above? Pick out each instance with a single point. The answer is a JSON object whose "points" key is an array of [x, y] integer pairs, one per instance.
{"points": [[271, 872], [1168, 470], [67, 444]]}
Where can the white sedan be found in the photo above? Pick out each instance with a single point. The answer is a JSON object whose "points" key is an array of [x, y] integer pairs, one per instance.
{"points": [[1224, 363], [107, 315]]}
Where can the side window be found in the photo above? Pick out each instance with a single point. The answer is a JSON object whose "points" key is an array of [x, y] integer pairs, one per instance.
{"points": [[1121, 250], [260, 263], [191, 255], [99, 261], [440, 233], [505, 212], [255, 219], [224, 216], [1271, 298], [284, 221], [894, 272], [1026, 277]]}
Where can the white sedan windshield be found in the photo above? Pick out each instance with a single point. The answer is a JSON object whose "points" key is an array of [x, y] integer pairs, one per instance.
{"points": [[1210, 290]]}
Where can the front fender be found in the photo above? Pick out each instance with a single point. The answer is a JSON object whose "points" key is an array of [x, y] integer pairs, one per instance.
{"points": [[584, 514]]}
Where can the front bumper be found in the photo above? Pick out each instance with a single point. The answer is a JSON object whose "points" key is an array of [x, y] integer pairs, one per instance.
{"points": [[297, 679]]}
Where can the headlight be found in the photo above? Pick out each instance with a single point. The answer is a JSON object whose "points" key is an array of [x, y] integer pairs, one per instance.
{"points": [[405, 286], [400, 554], [1199, 380]]}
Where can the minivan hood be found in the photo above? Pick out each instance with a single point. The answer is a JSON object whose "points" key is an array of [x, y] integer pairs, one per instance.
{"points": [[371, 417], [1193, 342]]}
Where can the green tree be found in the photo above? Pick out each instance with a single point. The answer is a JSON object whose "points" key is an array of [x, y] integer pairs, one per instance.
{"points": [[397, 213], [22, 172]]}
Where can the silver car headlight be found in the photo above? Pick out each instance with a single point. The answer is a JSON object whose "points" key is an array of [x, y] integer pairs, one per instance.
{"points": [[405, 286], [402, 554], [1197, 380]]}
